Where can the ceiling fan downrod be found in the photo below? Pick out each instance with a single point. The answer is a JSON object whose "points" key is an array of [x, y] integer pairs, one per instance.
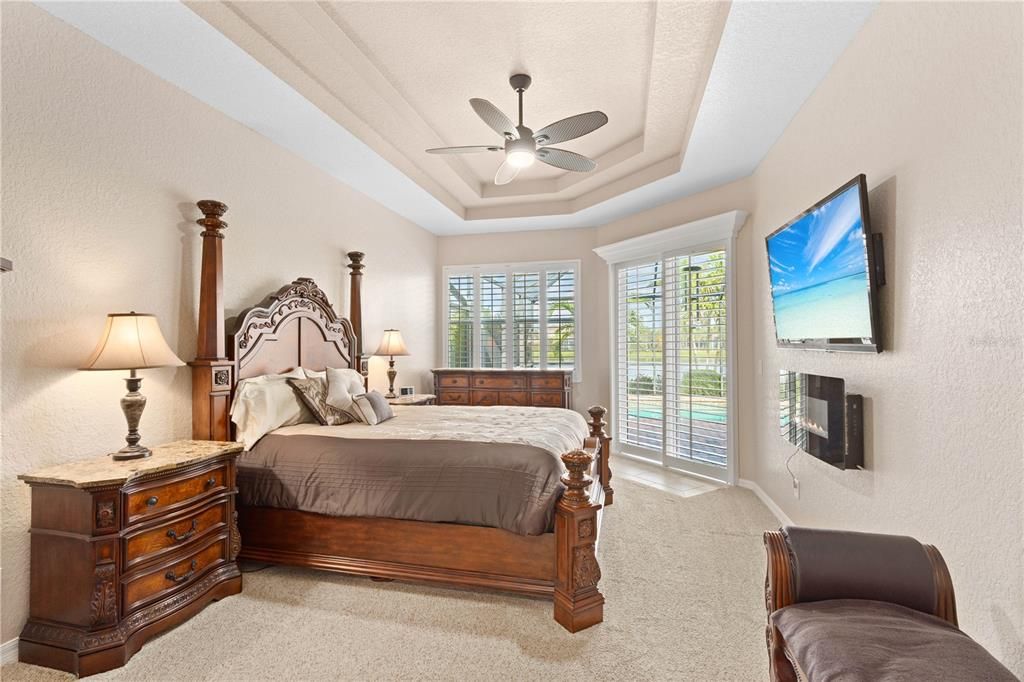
{"points": [[520, 82]]}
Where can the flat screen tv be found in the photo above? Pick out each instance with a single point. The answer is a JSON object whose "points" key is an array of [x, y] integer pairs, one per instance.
{"points": [[823, 277]]}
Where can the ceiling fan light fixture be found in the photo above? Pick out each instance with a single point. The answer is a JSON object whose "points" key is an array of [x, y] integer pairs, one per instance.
{"points": [[520, 158], [521, 144]]}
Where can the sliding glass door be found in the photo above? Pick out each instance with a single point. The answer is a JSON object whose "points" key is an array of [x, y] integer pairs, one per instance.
{"points": [[672, 393]]}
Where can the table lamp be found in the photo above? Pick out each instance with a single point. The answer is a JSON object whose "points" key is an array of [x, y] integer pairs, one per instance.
{"points": [[392, 345], [132, 341]]}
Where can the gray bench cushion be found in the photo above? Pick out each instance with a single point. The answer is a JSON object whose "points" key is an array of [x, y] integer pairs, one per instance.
{"points": [[850, 640]]}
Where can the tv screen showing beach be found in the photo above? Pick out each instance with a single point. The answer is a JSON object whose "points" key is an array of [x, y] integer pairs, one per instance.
{"points": [[819, 273]]}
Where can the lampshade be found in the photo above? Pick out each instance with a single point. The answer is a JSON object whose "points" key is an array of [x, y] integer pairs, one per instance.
{"points": [[132, 341], [392, 344]]}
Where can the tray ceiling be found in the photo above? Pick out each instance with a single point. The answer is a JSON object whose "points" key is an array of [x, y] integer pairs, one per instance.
{"points": [[770, 57], [400, 79]]}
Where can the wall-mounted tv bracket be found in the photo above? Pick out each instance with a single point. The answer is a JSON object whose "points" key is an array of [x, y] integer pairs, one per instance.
{"points": [[878, 251]]}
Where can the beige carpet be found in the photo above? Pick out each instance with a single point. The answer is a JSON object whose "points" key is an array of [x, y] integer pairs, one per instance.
{"points": [[682, 577]]}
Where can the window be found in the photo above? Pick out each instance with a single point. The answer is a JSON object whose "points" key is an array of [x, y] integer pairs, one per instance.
{"points": [[492, 320], [671, 356], [640, 360], [513, 316], [460, 321], [673, 346], [695, 357]]}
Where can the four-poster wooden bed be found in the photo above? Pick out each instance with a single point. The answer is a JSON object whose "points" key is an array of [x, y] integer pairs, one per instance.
{"points": [[296, 327]]}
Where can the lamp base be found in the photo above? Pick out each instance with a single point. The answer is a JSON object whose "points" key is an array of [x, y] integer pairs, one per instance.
{"points": [[133, 403], [131, 452], [392, 373]]}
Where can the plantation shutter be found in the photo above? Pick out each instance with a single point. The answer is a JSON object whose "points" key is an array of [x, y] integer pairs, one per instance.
{"points": [[460, 321], [561, 319], [640, 377], [526, 319], [695, 358], [492, 320]]}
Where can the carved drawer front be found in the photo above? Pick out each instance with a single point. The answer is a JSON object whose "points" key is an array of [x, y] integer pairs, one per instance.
{"points": [[453, 380], [547, 399], [161, 497], [453, 397], [484, 397], [542, 381], [168, 537], [495, 381], [514, 398], [177, 573]]}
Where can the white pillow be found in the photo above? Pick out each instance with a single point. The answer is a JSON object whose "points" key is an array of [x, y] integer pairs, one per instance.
{"points": [[265, 403], [342, 385], [313, 374]]}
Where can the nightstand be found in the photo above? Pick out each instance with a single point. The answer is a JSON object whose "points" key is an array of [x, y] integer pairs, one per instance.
{"points": [[414, 399], [122, 551]]}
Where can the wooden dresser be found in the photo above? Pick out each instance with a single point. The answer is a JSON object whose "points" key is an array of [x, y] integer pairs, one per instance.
{"points": [[527, 387], [122, 551]]}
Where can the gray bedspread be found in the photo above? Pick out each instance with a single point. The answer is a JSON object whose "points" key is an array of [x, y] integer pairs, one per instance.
{"points": [[510, 485]]}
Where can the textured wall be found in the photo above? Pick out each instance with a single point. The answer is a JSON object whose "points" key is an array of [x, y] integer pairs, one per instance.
{"points": [[102, 164], [926, 102]]}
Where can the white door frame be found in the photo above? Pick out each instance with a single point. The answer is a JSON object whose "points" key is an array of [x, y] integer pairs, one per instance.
{"points": [[716, 232]]}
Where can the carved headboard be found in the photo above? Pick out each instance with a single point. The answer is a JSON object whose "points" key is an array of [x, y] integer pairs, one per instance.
{"points": [[296, 326]]}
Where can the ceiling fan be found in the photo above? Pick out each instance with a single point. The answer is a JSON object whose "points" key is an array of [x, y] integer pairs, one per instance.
{"points": [[523, 146]]}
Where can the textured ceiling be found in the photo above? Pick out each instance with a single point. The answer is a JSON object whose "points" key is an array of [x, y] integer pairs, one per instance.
{"points": [[399, 75], [771, 57]]}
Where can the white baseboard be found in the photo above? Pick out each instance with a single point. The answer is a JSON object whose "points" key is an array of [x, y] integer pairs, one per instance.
{"points": [[768, 502], [9, 652]]}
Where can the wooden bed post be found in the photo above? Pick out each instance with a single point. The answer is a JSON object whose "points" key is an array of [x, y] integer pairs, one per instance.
{"points": [[355, 306], [578, 603], [597, 424], [212, 372]]}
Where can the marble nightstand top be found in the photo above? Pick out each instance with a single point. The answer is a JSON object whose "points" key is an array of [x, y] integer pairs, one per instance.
{"points": [[94, 472]]}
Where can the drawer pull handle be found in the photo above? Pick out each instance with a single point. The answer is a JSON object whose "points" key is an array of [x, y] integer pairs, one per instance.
{"points": [[184, 576], [211, 481], [151, 502], [184, 536]]}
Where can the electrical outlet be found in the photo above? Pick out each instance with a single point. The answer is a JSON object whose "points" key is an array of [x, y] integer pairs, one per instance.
{"points": [[796, 488]]}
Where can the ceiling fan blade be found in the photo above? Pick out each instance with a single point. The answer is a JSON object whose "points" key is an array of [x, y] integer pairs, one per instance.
{"points": [[493, 117], [506, 174], [570, 128], [464, 150], [566, 160]]}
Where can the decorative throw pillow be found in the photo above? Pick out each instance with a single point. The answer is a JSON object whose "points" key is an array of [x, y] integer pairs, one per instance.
{"points": [[313, 392], [265, 403], [373, 408], [342, 384]]}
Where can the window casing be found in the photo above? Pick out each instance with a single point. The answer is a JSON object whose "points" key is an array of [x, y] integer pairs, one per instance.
{"points": [[512, 316]]}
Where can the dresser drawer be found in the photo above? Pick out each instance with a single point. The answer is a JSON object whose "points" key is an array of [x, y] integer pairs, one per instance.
{"points": [[483, 397], [557, 381], [453, 381], [521, 398], [497, 381], [453, 397], [146, 545], [547, 399], [159, 497], [175, 574]]}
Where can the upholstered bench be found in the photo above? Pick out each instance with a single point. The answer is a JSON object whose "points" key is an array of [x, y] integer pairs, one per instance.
{"points": [[858, 606]]}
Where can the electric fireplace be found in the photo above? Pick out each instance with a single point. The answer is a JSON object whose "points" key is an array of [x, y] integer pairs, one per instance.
{"points": [[817, 416]]}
